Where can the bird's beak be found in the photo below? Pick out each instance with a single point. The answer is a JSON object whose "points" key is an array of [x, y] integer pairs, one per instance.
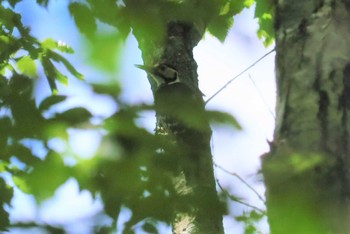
{"points": [[143, 67]]}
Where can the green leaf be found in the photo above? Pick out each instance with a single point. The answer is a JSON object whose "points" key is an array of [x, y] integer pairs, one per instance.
{"points": [[49, 43], [50, 72], [3, 166], [46, 177], [24, 154], [5, 198], [5, 129], [256, 216], [21, 184], [43, 2], [59, 58], [4, 221], [13, 2], [74, 116], [249, 3], [27, 66], [223, 118], [50, 101], [111, 88], [237, 6], [83, 18], [61, 78], [264, 14], [63, 47], [150, 228], [226, 9], [220, 26], [4, 39], [105, 51]]}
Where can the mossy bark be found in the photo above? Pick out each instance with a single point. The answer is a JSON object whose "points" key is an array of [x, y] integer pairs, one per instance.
{"points": [[307, 171]]}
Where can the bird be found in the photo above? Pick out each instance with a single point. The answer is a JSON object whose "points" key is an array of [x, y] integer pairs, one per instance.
{"points": [[180, 109]]}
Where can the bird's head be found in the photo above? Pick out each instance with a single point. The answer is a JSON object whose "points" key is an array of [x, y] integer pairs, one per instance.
{"points": [[162, 74]]}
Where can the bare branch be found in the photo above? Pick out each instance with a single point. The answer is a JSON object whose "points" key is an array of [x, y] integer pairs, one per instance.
{"points": [[262, 97], [241, 73], [242, 180], [235, 199]]}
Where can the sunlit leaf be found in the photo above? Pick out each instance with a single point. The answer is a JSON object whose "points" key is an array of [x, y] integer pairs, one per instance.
{"points": [[57, 129], [226, 9], [27, 66], [3, 166], [264, 14], [49, 43], [62, 46], [249, 3], [4, 39], [59, 58], [301, 163], [21, 184], [105, 51], [62, 78], [46, 176]]}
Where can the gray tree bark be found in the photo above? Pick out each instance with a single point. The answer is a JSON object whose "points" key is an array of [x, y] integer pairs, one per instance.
{"points": [[307, 171], [197, 208]]}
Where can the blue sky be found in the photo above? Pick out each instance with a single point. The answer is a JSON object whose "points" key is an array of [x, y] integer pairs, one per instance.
{"points": [[250, 102]]}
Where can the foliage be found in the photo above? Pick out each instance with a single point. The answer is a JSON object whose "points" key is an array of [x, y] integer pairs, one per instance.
{"points": [[21, 121], [149, 16], [130, 169], [264, 12], [250, 219]]}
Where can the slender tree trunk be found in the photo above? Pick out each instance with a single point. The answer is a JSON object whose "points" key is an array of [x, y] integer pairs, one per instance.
{"points": [[307, 171], [196, 209]]}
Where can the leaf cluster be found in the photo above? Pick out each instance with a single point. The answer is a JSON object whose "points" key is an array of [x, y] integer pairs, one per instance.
{"points": [[21, 53], [149, 18], [132, 168], [264, 12], [250, 220], [25, 126]]}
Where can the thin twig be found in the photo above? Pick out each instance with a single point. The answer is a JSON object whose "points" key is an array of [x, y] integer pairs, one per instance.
{"points": [[230, 81], [242, 180], [262, 97], [233, 198]]}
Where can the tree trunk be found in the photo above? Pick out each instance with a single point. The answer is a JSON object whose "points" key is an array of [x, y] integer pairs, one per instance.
{"points": [[196, 208], [307, 171]]}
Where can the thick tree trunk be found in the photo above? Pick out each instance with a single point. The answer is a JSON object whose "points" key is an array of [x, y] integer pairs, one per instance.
{"points": [[307, 171], [196, 209]]}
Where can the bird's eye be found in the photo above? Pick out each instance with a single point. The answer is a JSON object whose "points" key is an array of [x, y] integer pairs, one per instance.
{"points": [[162, 67]]}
